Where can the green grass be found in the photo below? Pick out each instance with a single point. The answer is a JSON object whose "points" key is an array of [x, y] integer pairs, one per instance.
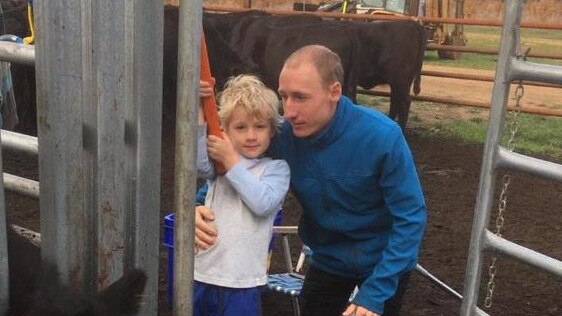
{"points": [[540, 41], [536, 135], [529, 139]]}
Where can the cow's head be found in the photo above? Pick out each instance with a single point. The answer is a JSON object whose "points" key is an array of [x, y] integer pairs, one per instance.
{"points": [[123, 297], [36, 289]]}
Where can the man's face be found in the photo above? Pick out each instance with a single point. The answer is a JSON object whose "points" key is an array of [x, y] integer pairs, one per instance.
{"points": [[307, 103]]}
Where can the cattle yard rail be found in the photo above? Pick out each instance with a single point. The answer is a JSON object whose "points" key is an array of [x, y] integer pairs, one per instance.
{"points": [[99, 99], [431, 46], [511, 68], [18, 53]]}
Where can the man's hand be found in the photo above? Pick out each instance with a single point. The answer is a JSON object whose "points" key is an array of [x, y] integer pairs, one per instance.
{"points": [[355, 310], [205, 231]]}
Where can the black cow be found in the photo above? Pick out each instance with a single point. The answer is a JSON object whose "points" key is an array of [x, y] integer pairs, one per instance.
{"points": [[392, 52], [389, 52], [35, 289], [223, 60], [267, 40], [270, 49]]}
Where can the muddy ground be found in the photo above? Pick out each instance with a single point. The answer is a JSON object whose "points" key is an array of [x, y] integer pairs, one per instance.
{"points": [[449, 172]]}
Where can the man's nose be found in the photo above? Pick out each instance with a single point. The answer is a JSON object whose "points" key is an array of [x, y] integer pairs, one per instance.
{"points": [[289, 110]]}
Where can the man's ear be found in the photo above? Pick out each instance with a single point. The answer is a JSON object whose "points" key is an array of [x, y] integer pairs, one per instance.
{"points": [[335, 91]]}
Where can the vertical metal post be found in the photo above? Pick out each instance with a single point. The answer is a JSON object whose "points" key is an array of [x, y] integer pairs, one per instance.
{"points": [[4, 273], [484, 202], [189, 45], [99, 121]]}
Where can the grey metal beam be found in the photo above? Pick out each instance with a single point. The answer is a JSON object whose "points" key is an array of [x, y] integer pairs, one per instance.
{"points": [[20, 142], [21, 185], [17, 53], [424, 272], [189, 46], [514, 161], [144, 22], [524, 254], [484, 200], [4, 273], [99, 67], [524, 70]]}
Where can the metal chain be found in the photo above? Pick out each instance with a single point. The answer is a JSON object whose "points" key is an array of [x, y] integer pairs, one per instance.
{"points": [[500, 219]]}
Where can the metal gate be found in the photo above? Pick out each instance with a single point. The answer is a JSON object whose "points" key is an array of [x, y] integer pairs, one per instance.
{"points": [[511, 67]]}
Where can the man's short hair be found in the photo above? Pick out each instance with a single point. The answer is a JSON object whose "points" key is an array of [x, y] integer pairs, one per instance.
{"points": [[324, 60]]}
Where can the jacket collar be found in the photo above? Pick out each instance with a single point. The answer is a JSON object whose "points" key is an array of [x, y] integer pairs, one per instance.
{"points": [[336, 126]]}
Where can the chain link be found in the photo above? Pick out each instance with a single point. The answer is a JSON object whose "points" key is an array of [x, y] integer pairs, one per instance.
{"points": [[502, 205]]}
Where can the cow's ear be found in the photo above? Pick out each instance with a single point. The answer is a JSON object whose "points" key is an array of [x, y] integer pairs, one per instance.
{"points": [[335, 91], [124, 296]]}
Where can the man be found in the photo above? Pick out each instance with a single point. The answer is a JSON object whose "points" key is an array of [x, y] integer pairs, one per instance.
{"points": [[363, 208]]}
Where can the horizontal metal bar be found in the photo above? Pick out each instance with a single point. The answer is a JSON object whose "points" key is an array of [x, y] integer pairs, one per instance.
{"points": [[360, 16], [485, 78], [21, 185], [484, 50], [31, 235], [524, 254], [20, 142], [524, 70], [435, 280], [514, 161], [463, 102], [285, 229], [17, 53], [480, 312]]}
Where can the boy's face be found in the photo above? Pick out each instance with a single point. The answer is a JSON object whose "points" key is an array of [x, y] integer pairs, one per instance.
{"points": [[249, 134]]}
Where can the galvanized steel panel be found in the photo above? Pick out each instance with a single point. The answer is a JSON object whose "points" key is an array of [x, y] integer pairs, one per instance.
{"points": [[99, 66]]}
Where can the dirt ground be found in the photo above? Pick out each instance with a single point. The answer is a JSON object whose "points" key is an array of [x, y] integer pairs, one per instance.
{"points": [[449, 172]]}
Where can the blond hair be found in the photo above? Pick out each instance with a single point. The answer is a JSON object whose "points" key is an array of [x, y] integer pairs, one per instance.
{"points": [[249, 93]]}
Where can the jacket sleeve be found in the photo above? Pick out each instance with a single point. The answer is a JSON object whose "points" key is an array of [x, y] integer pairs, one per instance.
{"points": [[262, 195], [404, 199]]}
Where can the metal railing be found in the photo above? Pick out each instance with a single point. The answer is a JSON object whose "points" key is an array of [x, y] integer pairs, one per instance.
{"points": [[511, 66]]}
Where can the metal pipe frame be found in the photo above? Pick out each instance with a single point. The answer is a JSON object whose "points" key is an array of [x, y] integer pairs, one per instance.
{"points": [[354, 16], [4, 272], [484, 201], [524, 70], [189, 57], [20, 142], [99, 70], [21, 185], [17, 53], [523, 254], [514, 161]]}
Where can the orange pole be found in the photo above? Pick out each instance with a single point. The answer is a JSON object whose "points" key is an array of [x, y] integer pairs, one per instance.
{"points": [[209, 103]]}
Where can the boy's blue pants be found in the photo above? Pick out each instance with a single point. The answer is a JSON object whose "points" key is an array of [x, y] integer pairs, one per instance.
{"points": [[212, 300]]}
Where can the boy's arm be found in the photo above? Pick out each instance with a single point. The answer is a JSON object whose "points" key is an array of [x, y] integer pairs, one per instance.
{"points": [[262, 195], [204, 165]]}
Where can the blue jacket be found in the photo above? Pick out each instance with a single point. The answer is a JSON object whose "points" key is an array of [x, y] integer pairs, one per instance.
{"points": [[363, 208]]}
